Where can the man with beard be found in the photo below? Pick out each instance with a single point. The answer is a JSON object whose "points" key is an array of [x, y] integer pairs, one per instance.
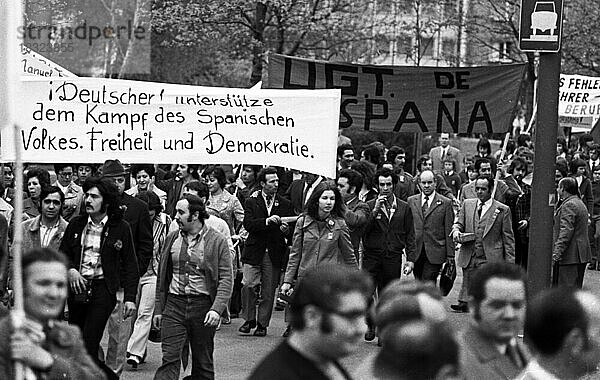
{"points": [[328, 308], [405, 187], [490, 348], [357, 212]]}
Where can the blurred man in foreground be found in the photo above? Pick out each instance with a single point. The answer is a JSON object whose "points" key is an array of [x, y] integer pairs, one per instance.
{"points": [[563, 327], [48, 348], [328, 321]]}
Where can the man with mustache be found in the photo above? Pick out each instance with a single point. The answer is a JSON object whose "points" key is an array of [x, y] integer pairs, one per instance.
{"points": [[194, 284], [102, 260]]}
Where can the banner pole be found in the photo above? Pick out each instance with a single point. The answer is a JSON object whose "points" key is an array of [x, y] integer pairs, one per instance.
{"points": [[13, 14], [502, 154]]}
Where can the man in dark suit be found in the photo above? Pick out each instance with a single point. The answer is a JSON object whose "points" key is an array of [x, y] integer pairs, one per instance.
{"points": [[432, 216], [439, 153], [264, 251], [571, 245], [484, 229], [301, 189], [135, 212], [389, 232], [489, 346], [357, 212]]}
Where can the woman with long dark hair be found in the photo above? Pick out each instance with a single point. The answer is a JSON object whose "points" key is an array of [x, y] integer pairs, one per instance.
{"points": [[321, 234]]}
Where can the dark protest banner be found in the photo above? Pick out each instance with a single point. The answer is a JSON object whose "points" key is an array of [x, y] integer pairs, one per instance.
{"points": [[409, 99]]}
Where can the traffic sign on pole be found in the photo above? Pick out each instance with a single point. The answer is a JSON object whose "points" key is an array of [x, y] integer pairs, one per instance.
{"points": [[541, 25]]}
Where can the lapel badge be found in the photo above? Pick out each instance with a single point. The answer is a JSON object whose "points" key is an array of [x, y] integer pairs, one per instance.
{"points": [[276, 204]]}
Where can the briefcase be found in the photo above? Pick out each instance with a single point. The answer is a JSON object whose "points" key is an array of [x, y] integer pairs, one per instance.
{"points": [[447, 277]]}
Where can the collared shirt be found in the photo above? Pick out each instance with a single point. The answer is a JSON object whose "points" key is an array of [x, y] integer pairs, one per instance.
{"points": [[311, 188], [444, 151], [486, 206], [187, 255], [429, 201], [91, 261], [390, 212], [502, 347], [269, 204], [47, 233]]}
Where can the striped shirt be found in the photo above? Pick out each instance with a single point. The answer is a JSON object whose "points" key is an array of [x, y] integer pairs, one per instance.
{"points": [[47, 233], [187, 256], [91, 262], [160, 229]]}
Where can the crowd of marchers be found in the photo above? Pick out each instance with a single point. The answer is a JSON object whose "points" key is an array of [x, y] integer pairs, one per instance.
{"points": [[171, 252]]}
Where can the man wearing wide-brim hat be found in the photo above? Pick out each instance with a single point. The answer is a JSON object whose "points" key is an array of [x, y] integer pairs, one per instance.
{"points": [[135, 212]]}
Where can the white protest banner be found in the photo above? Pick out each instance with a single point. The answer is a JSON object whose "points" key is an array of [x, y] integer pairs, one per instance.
{"points": [[91, 120], [34, 64], [579, 96]]}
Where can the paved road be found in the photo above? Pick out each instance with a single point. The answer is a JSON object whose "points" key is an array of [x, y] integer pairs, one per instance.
{"points": [[236, 355]]}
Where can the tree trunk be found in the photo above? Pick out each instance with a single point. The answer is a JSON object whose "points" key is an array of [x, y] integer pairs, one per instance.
{"points": [[136, 48], [258, 48]]}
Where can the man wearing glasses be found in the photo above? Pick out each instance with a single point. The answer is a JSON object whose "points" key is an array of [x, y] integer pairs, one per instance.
{"points": [[73, 193], [328, 311]]}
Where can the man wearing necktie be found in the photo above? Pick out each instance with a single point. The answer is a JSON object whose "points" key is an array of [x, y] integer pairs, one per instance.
{"points": [[484, 229], [439, 153], [389, 232], [490, 347], [432, 217], [264, 252]]}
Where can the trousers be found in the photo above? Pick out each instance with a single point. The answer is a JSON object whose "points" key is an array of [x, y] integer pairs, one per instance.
{"points": [[183, 320], [267, 275]]}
